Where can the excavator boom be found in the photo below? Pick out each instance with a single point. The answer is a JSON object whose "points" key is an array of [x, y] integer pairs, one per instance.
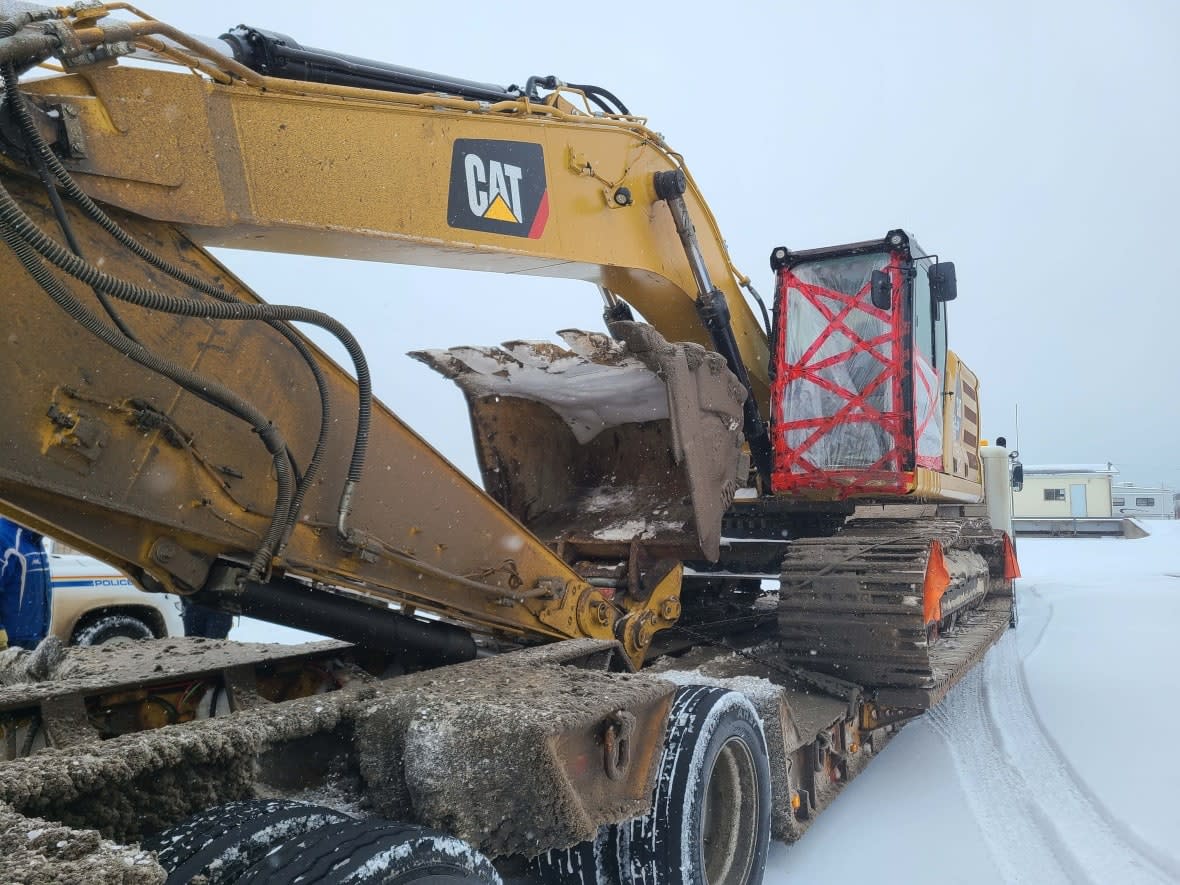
{"points": [[518, 185]]}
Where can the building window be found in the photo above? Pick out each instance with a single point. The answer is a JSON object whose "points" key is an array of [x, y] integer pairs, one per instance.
{"points": [[1145, 502], [1118, 502], [1054, 494]]}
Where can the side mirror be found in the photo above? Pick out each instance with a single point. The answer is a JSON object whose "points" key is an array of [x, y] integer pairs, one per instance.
{"points": [[1017, 476], [942, 282], [881, 290]]}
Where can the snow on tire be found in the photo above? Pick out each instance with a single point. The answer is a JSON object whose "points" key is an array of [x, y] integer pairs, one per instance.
{"points": [[587, 863], [223, 842], [366, 852], [710, 818]]}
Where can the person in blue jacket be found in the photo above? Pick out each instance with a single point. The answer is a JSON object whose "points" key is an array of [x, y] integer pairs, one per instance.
{"points": [[25, 587]]}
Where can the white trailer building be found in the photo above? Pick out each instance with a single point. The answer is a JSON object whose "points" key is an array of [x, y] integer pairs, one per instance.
{"points": [[1141, 501]]}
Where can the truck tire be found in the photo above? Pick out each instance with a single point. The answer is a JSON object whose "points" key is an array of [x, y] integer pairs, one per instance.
{"points": [[710, 818], [116, 625], [589, 863], [366, 852], [222, 843]]}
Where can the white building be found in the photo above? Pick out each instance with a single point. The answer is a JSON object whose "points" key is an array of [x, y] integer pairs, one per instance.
{"points": [[1152, 502], [1061, 491]]}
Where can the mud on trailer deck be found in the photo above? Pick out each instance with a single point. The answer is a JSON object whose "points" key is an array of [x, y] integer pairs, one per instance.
{"points": [[520, 754]]}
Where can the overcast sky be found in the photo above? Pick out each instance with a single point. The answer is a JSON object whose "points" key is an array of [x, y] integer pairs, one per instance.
{"points": [[1034, 144]]}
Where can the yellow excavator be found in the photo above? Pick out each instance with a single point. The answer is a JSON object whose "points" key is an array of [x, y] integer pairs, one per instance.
{"points": [[718, 557]]}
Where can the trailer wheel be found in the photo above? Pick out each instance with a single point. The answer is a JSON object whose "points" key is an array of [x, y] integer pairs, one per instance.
{"points": [[113, 626], [224, 842], [587, 863], [710, 818], [367, 852]]}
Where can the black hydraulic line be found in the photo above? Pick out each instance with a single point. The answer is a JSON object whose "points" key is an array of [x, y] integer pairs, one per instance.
{"points": [[13, 235], [531, 84], [601, 93], [63, 222], [144, 297], [749, 287], [714, 313], [596, 94], [222, 310], [96, 214], [293, 604], [277, 55], [602, 105], [25, 50], [25, 228]]}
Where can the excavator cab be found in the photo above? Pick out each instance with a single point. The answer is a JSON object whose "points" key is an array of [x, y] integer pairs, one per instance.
{"points": [[865, 389]]}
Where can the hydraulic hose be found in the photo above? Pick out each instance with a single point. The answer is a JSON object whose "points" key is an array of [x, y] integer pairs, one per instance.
{"points": [[26, 252], [87, 273], [23, 227], [122, 289], [599, 96], [63, 221], [97, 215], [766, 324]]}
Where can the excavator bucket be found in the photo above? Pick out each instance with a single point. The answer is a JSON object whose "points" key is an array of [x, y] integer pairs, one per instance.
{"points": [[608, 441]]}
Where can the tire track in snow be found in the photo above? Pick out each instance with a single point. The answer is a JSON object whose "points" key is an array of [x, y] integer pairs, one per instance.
{"points": [[1040, 822], [1138, 855], [997, 794]]}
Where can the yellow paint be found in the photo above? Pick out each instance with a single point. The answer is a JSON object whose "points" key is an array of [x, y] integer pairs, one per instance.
{"points": [[930, 485], [659, 611], [960, 433]]}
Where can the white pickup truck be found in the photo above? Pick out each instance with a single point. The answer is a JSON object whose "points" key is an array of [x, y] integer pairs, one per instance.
{"points": [[94, 603]]}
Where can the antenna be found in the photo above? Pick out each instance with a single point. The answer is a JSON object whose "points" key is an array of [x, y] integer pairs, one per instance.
{"points": [[1018, 427]]}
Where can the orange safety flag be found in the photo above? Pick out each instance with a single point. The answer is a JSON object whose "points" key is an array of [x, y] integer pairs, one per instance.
{"points": [[937, 580], [1011, 565]]}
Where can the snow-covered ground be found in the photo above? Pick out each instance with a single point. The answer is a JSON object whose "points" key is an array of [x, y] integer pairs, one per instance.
{"points": [[1051, 763]]}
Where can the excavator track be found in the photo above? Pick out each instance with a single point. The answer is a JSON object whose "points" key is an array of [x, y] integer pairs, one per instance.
{"points": [[852, 605]]}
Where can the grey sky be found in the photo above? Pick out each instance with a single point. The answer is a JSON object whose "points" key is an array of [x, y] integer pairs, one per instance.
{"points": [[1034, 144]]}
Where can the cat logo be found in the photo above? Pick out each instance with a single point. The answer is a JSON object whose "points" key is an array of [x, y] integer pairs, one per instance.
{"points": [[498, 187]]}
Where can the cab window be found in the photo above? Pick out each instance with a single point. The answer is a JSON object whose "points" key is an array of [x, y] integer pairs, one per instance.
{"points": [[929, 319]]}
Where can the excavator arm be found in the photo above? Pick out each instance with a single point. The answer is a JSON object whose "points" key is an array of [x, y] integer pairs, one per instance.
{"points": [[160, 416]]}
